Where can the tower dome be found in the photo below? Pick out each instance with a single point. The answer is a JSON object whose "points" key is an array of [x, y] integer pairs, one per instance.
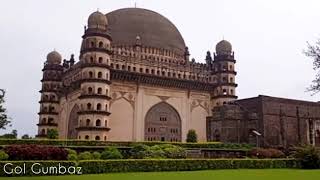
{"points": [[97, 19], [54, 58], [223, 47]]}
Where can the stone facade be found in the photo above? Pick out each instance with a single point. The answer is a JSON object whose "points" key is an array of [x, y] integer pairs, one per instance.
{"points": [[134, 81], [266, 121]]}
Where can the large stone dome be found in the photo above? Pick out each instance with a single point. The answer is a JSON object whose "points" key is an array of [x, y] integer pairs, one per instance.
{"points": [[153, 29]]}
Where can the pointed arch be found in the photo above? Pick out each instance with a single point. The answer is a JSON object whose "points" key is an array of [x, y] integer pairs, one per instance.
{"points": [[162, 123], [73, 122]]}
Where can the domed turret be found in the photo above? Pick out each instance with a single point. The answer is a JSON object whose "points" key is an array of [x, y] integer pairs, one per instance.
{"points": [[223, 48], [54, 58], [97, 20]]}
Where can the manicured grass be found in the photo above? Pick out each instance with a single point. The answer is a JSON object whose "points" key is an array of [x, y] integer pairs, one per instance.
{"points": [[242, 174]]}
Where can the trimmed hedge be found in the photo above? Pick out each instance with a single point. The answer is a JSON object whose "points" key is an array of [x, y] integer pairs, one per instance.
{"points": [[147, 165], [66, 143], [28, 164]]}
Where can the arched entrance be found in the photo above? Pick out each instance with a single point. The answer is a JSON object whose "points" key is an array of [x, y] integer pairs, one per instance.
{"points": [[73, 122], [162, 123]]}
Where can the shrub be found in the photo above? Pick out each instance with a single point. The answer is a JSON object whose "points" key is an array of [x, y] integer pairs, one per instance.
{"points": [[266, 153], [138, 151], [35, 152], [192, 136], [96, 155], [111, 153], [155, 151], [3, 155], [174, 152], [72, 154], [85, 156], [52, 134], [308, 156]]}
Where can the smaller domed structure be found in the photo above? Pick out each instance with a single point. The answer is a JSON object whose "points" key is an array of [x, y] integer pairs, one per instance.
{"points": [[97, 20], [54, 58], [223, 48]]}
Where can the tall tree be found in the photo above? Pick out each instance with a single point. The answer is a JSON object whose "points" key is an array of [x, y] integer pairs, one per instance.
{"points": [[4, 120], [313, 51]]}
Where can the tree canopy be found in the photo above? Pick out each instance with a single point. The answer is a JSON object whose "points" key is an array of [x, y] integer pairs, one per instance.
{"points": [[4, 120], [313, 51]]}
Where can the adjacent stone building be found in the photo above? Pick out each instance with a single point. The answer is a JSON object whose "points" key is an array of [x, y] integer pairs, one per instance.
{"points": [[134, 81], [266, 121]]}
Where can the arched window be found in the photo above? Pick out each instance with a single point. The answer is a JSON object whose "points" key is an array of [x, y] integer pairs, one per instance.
{"points": [[43, 132], [106, 123], [98, 106], [100, 59], [79, 137], [107, 92], [99, 90], [100, 44], [90, 74], [99, 74], [88, 106], [87, 137], [90, 90], [88, 122], [105, 138], [92, 44], [123, 67], [97, 138], [117, 66], [107, 76], [44, 120], [91, 59], [106, 107], [98, 122]]}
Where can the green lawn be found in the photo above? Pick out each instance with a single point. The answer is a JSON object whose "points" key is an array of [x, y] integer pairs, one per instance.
{"points": [[243, 174]]}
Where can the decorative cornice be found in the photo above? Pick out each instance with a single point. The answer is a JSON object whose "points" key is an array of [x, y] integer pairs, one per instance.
{"points": [[160, 81], [83, 65], [47, 124], [96, 96], [94, 112], [48, 113], [95, 80], [95, 49], [49, 101], [92, 128], [225, 96]]}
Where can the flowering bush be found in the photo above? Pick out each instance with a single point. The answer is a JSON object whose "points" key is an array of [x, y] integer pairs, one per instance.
{"points": [[35, 152]]}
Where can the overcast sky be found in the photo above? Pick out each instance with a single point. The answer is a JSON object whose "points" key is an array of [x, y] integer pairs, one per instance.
{"points": [[268, 38]]}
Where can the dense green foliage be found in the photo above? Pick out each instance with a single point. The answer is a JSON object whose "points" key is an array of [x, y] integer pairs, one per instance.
{"points": [[52, 134], [158, 151], [144, 165], [85, 156], [3, 155], [12, 135], [111, 153], [308, 156], [192, 136], [66, 143]]}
